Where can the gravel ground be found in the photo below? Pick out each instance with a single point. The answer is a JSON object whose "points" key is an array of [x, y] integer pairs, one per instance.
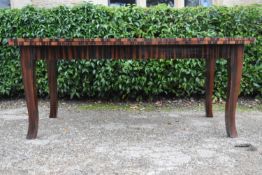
{"points": [[128, 142]]}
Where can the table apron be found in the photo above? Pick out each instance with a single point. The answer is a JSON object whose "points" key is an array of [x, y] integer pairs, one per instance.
{"points": [[135, 52]]}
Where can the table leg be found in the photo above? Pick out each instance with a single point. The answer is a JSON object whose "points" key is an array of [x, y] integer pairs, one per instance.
{"points": [[210, 75], [52, 82], [29, 80], [235, 64]]}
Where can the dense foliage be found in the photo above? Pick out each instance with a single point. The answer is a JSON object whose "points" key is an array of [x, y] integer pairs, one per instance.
{"points": [[131, 79]]}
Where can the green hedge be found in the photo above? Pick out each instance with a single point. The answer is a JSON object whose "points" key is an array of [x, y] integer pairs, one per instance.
{"points": [[131, 79]]}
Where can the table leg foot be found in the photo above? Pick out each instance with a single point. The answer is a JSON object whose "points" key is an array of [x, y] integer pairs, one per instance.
{"points": [[33, 126], [235, 64], [29, 80], [52, 82]]}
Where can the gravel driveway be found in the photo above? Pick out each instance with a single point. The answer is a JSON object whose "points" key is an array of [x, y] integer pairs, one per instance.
{"points": [[128, 142]]}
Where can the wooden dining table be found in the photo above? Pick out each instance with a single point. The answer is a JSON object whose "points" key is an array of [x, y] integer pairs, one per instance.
{"points": [[209, 49]]}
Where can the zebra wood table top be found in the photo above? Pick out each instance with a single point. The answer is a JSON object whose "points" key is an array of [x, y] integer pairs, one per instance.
{"points": [[128, 41]]}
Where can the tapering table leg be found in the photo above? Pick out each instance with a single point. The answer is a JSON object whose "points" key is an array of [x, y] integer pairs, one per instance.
{"points": [[52, 82], [210, 75], [235, 64], [29, 80]]}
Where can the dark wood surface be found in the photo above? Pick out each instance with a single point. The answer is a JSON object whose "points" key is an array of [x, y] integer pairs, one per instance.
{"points": [[127, 41], [209, 49]]}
